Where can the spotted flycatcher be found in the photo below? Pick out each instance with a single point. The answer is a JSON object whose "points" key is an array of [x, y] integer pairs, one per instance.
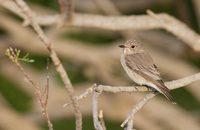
{"points": [[140, 67]]}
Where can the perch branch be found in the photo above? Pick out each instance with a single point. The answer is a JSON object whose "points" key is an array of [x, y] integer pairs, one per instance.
{"points": [[174, 84], [59, 67]]}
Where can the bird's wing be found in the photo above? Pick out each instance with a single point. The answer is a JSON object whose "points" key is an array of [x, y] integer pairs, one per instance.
{"points": [[142, 62]]}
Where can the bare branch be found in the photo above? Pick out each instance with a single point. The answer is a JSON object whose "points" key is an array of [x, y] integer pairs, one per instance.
{"points": [[141, 22], [174, 84], [135, 110], [13, 55], [107, 7], [59, 67], [113, 89], [67, 9], [96, 121], [82, 96], [46, 92]]}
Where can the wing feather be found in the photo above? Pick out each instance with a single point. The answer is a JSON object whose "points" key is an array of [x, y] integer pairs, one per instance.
{"points": [[144, 63]]}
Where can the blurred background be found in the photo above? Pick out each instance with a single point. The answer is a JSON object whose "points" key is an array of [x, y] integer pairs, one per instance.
{"points": [[91, 56]]}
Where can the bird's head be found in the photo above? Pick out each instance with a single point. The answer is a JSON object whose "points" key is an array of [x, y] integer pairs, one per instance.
{"points": [[131, 47]]}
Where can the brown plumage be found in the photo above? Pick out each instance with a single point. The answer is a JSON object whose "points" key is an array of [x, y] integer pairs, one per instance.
{"points": [[140, 67]]}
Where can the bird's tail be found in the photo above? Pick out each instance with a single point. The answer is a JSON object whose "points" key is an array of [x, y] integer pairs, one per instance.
{"points": [[165, 91]]}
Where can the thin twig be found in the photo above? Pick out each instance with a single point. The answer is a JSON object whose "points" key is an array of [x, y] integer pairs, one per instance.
{"points": [[136, 109], [96, 121], [46, 90], [67, 9], [13, 55], [82, 96], [59, 67]]}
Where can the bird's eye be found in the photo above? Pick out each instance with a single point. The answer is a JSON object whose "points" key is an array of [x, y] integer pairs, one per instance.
{"points": [[132, 46]]}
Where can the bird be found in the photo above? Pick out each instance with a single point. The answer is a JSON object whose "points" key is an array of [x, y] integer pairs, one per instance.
{"points": [[140, 67]]}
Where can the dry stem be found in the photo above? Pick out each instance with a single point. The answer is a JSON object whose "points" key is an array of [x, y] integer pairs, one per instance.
{"points": [[137, 107], [13, 56], [59, 67], [67, 9], [174, 84], [96, 121]]}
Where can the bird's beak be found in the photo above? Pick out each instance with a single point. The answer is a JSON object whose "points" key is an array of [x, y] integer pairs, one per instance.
{"points": [[122, 46]]}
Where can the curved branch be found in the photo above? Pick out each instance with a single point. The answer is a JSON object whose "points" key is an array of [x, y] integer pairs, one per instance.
{"points": [[133, 22], [174, 84]]}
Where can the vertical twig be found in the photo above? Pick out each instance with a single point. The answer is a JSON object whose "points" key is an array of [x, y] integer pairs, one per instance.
{"points": [[59, 67], [44, 104], [97, 123], [46, 89], [137, 107], [13, 55], [67, 9]]}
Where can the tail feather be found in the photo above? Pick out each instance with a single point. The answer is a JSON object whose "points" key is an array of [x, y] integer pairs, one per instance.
{"points": [[165, 91]]}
